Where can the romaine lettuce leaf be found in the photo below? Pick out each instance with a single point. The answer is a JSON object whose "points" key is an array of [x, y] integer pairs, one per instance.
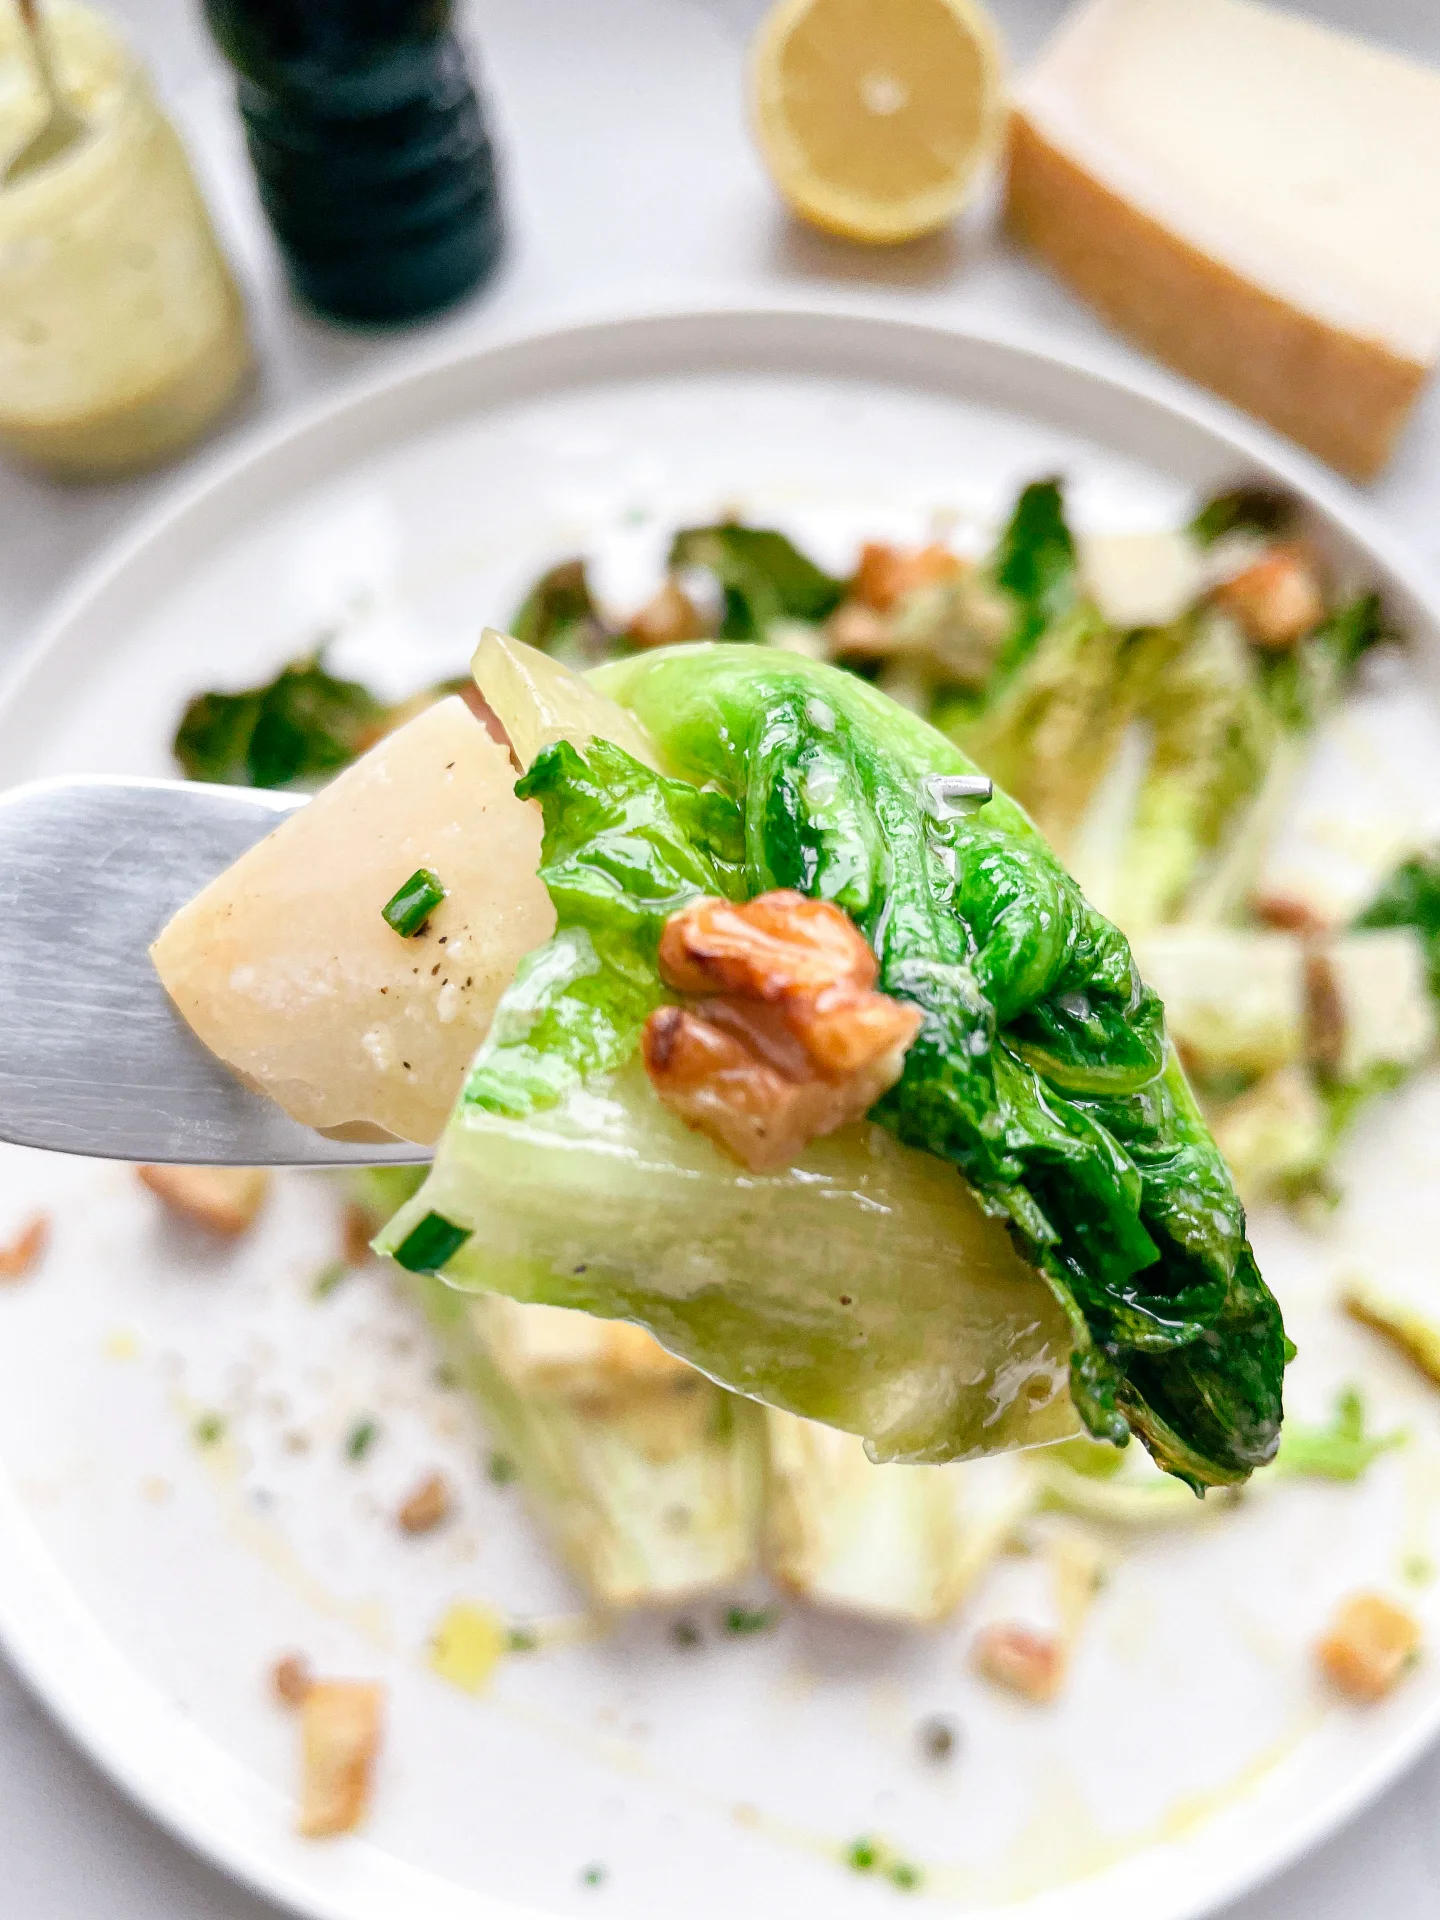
{"points": [[1041, 1072], [1065, 684], [763, 575], [1411, 898], [1244, 734], [624, 849], [898, 1545], [1036, 565], [650, 1481], [299, 725], [862, 1287], [1252, 510], [559, 617], [1213, 738]]}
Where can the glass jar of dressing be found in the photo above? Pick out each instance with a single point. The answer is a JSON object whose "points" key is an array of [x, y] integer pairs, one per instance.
{"points": [[122, 333]]}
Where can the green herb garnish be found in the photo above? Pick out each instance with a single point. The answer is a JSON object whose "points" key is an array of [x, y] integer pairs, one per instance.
{"points": [[361, 1439], [410, 906], [873, 1856], [209, 1430], [742, 1620], [427, 1247], [501, 1469], [593, 1876], [521, 1640], [1342, 1450], [328, 1278]]}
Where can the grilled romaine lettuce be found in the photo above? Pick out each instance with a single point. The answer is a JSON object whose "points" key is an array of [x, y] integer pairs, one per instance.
{"points": [[1411, 898], [1040, 1073], [765, 579], [647, 1477], [1117, 650], [1056, 701], [301, 725], [903, 1545]]}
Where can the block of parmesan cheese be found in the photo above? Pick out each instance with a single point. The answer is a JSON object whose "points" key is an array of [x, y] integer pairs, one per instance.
{"points": [[1251, 197]]}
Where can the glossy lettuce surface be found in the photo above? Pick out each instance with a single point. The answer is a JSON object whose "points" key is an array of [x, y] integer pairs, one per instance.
{"points": [[1041, 1073]]}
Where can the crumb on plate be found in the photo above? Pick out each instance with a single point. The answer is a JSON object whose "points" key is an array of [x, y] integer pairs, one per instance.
{"points": [[340, 1730], [225, 1200], [19, 1256], [357, 1232], [1370, 1645], [427, 1506], [1021, 1660], [291, 1679]]}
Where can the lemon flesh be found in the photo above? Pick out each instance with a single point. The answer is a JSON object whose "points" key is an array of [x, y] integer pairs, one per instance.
{"points": [[876, 118]]}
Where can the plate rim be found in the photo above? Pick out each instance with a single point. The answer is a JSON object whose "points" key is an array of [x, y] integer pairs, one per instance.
{"points": [[40, 1654]]}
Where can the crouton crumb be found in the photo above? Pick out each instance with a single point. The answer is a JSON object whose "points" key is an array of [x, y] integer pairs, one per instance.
{"points": [[427, 1506], [18, 1257], [1371, 1644], [340, 1731], [1021, 1660], [290, 1679], [1277, 600], [356, 1235], [225, 1200]]}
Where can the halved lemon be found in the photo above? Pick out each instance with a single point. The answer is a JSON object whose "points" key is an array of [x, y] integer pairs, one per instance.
{"points": [[877, 117]]}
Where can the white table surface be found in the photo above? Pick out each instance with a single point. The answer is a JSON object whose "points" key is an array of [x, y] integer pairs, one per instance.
{"points": [[629, 180]]}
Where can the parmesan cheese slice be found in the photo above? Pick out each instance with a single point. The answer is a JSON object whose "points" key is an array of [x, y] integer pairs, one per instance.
{"points": [[1252, 198], [285, 968]]}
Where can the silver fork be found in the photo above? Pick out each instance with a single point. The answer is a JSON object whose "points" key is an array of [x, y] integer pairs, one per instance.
{"points": [[94, 1058]]}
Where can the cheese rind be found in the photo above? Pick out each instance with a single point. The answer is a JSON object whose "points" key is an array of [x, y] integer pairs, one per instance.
{"points": [[1250, 197]]}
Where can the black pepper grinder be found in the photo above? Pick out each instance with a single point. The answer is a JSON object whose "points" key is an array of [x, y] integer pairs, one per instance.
{"points": [[370, 149]]}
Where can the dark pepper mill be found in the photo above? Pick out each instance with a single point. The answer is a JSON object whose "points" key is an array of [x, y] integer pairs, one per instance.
{"points": [[370, 149]]}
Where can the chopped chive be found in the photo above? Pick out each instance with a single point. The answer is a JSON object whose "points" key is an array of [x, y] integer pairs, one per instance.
{"points": [[861, 1855], [901, 1874], [750, 1619], [521, 1640], [361, 1438], [412, 904], [328, 1278], [427, 1247], [209, 1430], [593, 1876], [501, 1469]]}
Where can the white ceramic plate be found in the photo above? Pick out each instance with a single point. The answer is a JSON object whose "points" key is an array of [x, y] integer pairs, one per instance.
{"points": [[146, 1583]]}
